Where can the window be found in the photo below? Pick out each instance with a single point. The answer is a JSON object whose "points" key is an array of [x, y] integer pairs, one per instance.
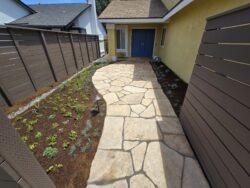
{"points": [[120, 39], [163, 34]]}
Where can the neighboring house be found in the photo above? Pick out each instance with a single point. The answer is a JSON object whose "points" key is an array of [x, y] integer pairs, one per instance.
{"points": [[171, 29], [74, 17], [11, 10]]}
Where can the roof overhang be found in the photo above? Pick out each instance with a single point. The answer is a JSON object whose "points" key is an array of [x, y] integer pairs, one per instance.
{"points": [[165, 18]]}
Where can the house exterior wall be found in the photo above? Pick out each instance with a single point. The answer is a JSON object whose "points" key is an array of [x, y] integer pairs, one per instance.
{"points": [[10, 11], [184, 32], [130, 27], [90, 22], [170, 3]]}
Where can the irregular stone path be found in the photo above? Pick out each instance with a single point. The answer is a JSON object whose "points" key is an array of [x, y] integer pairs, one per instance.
{"points": [[142, 144]]}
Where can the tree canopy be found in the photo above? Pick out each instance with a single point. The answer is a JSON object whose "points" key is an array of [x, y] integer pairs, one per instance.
{"points": [[101, 5]]}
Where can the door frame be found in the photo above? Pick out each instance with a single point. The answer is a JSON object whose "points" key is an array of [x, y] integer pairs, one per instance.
{"points": [[142, 28]]}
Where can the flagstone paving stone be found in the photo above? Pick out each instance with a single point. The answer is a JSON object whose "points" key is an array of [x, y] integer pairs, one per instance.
{"points": [[142, 143]]}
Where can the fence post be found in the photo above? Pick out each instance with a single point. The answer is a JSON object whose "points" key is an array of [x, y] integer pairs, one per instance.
{"points": [[59, 42], [81, 49], [92, 47], [21, 58], [98, 46], [6, 95], [47, 55], [86, 42], [74, 53]]}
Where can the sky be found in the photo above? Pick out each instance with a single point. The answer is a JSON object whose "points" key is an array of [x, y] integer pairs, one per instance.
{"points": [[52, 1]]}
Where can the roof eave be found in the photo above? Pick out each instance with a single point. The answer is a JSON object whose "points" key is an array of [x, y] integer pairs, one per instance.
{"points": [[25, 6], [163, 19]]}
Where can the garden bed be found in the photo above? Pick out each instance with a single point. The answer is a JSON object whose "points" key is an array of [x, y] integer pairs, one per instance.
{"points": [[173, 87], [64, 129]]}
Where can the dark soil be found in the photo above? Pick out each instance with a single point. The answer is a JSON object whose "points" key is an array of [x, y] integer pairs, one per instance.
{"points": [[58, 115], [173, 87]]}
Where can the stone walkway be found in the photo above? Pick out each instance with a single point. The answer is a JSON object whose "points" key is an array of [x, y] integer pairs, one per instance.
{"points": [[142, 144]]}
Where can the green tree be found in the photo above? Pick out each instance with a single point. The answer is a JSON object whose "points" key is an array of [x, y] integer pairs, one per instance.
{"points": [[101, 5]]}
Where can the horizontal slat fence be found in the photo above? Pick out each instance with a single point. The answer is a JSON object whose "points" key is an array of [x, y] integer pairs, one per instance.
{"points": [[216, 110], [31, 59]]}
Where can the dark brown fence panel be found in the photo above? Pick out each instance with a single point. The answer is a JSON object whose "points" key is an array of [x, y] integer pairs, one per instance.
{"points": [[84, 50], [18, 158], [77, 49], [31, 59], [55, 55], [215, 113], [94, 47], [67, 53], [90, 48], [33, 54], [13, 75]]}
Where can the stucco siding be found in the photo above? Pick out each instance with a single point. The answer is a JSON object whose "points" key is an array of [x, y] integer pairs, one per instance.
{"points": [[184, 32], [170, 3], [10, 11]]}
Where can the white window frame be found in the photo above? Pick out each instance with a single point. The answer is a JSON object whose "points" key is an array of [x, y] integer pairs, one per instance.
{"points": [[125, 28], [163, 37]]}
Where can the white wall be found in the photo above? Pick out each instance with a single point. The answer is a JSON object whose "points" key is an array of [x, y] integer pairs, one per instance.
{"points": [[90, 22], [10, 11]]}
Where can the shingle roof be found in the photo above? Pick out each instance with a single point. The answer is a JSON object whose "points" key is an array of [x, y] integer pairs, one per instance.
{"points": [[52, 14], [134, 9]]}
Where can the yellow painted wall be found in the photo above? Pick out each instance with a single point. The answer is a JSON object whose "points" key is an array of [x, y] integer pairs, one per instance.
{"points": [[184, 32], [170, 3], [111, 42]]}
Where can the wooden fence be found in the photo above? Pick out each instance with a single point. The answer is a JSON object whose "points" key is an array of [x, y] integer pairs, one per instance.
{"points": [[31, 59], [216, 110]]}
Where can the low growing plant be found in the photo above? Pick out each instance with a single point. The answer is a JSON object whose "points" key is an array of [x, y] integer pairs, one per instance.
{"points": [[38, 135], [50, 152], [52, 139], [79, 108], [51, 117], [33, 146], [73, 135], [65, 145], [67, 114], [53, 168], [24, 138], [55, 125]]}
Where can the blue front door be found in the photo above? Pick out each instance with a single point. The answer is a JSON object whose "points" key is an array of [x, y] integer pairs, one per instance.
{"points": [[143, 42]]}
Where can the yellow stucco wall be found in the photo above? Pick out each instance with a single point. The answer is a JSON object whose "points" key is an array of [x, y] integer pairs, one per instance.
{"points": [[170, 3], [111, 42], [184, 32]]}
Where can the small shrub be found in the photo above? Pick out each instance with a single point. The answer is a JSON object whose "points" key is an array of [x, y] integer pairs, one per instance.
{"points": [[51, 117], [55, 125], [65, 122], [65, 145], [33, 146], [50, 152], [38, 135], [79, 108], [29, 128], [68, 114], [52, 139], [24, 138], [73, 135], [53, 168]]}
